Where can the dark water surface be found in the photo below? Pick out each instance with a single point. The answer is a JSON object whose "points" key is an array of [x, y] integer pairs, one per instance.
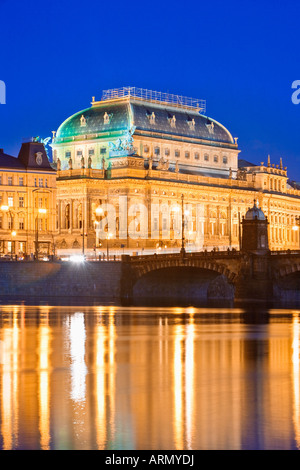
{"points": [[111, 377]]}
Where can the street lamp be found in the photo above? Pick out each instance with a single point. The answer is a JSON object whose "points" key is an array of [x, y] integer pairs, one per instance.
{"points": [[99, 211], [109, 235], [40, 211], [297, 227], [13, 233], [182, 251]]}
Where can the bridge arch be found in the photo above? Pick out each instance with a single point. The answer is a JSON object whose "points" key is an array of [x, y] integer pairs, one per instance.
{"points": [[140, 269], [195, 278]]}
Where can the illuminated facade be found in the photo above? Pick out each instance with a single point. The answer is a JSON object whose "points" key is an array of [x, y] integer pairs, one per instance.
{"points": [[27, 206], [145, 155]]}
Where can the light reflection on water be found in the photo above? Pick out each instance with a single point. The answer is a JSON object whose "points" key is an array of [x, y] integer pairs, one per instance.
{"points": [[109, 377]]}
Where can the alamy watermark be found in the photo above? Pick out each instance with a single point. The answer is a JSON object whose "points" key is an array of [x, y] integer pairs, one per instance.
{"points": [[296, 94], [2, 92], [142, 221]]}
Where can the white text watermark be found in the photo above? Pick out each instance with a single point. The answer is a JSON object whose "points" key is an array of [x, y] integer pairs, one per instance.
{"points": [[296, 94], [142, 221], [2, 92]]}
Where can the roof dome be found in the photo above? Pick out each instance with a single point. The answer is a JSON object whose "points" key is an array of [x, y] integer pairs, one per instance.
{"points": [[255, 213], [115, 118]]}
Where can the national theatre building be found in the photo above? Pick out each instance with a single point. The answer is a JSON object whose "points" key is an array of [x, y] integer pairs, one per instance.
{"points": [[143, 171], [138, 169]]}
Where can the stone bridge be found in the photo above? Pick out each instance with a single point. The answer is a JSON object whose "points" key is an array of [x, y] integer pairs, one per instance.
{"points": [[236, 275]]}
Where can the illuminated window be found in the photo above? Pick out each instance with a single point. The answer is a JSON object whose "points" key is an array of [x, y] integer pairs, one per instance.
{"points": [[10, 201]]}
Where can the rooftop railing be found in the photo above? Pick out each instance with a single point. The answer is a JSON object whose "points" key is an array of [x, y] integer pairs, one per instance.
{"points": [[154, 96]]}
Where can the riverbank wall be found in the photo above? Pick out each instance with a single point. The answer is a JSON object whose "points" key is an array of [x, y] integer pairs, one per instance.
{"points": [[60, 279]]}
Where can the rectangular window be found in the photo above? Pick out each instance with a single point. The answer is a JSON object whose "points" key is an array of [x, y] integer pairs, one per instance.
{"points": [[21, 201], [1, 179], [79, 153], [167, 152], [215, 159], [10, 201], [68, 155], [146, 149], [35, 182], [40, 224], [177, 153], [187, 154], [91, 152], [21, 223], [46, 183], [40, 202], [9, 181], [196, 156], [10, 223], [206, 158], [40, 182], [225, 160], [1, 226], [21, 181], [103, 150], [157, 151]]}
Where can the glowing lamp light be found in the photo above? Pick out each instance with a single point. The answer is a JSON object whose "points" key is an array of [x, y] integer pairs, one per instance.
{"points": [[14, 233], [42, 211], [99, 210], [77, 258], [4, 208]]}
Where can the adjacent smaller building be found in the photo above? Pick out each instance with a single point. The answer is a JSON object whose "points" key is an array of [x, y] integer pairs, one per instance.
{"points": [[27, 202]]}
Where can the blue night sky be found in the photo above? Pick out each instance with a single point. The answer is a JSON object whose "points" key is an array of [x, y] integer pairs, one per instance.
{"points": [[241, 57]]}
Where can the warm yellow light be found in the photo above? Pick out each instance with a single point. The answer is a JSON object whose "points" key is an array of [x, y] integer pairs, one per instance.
{"points": [[99, 210], [295, 227], [13, 234], [42, 211], [4, 208]]}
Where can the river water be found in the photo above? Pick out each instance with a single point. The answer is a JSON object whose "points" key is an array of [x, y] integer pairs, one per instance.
{"points": [[111, 377]]}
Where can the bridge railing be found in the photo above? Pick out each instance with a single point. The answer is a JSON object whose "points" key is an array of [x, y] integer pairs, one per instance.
{"points": [[199, 254], [285, 252]]}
